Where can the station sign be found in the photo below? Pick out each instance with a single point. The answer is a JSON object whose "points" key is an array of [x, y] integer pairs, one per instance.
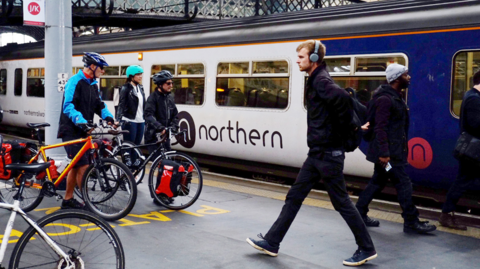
{"points": [[34, 12]]}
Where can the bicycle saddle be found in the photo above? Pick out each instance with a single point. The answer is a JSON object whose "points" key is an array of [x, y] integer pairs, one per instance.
{"points": [[37, 125], [32, 168]]}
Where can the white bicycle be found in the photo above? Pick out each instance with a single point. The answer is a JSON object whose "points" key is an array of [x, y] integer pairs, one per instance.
{"points": [[67, 239]]}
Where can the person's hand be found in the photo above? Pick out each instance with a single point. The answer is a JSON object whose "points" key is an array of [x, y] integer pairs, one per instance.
{"points": [[115, 125], [163, 132], [365, 126], [384, 160], [85, 128]]}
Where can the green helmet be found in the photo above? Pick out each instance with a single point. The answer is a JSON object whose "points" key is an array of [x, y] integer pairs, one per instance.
{"points": [[132, 70]]}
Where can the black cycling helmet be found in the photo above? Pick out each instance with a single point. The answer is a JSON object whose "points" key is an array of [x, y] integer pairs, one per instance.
{"points": [[94, 58], [161, 77]]}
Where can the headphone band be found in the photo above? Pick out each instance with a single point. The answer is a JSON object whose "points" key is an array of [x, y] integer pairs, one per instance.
{"points": [[317, 46]]}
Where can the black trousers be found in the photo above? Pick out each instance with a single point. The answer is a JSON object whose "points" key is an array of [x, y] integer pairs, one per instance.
{"points": [[330, 169], [403, 185], [467, 174]]}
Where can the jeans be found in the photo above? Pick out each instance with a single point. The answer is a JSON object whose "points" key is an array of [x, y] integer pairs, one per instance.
{"points": [[330, 169], [467, 173], [135, 135], [403, 185]]}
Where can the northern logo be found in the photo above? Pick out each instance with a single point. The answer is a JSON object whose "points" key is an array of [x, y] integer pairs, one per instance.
{"points": [[187, 139]]}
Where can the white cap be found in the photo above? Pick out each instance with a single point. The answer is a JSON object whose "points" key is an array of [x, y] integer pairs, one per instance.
{"points": [[394, 71]]}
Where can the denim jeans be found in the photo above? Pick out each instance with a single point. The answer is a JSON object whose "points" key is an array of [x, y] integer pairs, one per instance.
{"points": [[467, 173], [403, 185], [328, 168], [135, 135]]}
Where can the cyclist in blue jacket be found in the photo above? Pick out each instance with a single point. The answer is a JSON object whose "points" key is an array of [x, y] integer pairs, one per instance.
{"points": [[81, 100]]}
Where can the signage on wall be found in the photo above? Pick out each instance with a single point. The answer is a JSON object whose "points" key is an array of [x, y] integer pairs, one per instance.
{"points": [[34, 12]]}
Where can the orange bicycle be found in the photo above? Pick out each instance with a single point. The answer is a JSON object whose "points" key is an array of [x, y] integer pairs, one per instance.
{"points": [[108, 187]]}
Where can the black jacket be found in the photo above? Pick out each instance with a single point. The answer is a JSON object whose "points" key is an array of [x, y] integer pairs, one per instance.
{"points": [[329, 113], [390, 127], [470, 113], [81, 101], [160, 112], [128, 104]]}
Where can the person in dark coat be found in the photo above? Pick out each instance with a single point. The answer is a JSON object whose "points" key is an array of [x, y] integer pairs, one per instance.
{"points": [[130, 111], [160, 110], [329, 119], [388, 150], [468, 171]]}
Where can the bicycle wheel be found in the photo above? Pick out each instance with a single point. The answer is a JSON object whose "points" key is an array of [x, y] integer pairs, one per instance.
{"points": [[31, 196], [108, 189], [188, 193], [137, 155], [89, 241]]}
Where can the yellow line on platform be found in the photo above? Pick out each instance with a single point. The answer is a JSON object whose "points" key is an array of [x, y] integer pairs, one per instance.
{"points": [[389, 216]]}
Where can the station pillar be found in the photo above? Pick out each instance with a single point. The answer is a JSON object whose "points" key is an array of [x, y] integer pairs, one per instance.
{"points": [[58, 64]]}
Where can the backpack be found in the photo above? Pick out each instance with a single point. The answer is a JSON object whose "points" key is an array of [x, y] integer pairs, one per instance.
{"points": [[5, 158], [359, 118], [169, 177]]}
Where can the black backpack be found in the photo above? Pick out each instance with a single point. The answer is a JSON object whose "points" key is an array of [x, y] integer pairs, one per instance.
{"points": [[359, 118]]}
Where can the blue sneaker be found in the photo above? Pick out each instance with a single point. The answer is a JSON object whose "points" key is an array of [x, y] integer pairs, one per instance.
{"points": [[360, 257], [263, 245]]}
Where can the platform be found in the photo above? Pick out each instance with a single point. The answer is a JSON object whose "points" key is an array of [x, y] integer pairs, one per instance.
{"points": [[212, 233]]}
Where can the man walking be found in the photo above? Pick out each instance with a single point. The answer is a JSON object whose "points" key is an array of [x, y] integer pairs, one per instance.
{"points": [[388, 149], [330, 120], [468, 171]]}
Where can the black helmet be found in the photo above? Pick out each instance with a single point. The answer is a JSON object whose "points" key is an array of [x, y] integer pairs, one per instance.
{"points": [[94, 58], [161, 77]]}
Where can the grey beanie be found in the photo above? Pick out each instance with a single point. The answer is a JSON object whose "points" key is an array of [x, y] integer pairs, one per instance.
{"points": [[394, 71]]}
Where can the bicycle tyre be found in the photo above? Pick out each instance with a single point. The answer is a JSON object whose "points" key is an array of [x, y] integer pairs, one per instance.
{"points": [[116, 198], [31, 196], [129, 144], [97, 244], [183, 200]]}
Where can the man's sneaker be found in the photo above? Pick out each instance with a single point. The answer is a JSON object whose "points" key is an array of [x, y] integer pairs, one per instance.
{"points": [[360, 257], [263, 246], [128, 160], [370, 222], [137, 163], [72, 204], [420, 227], [449, 220], [165, 200]]}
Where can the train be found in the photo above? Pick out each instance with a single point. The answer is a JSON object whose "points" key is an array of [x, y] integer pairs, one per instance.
{"points": [[240, 93]]}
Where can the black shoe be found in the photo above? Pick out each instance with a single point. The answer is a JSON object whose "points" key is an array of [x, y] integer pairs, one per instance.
{"points": [[420, 227], [263, 245], [72, 204], [360, 257], [370, 222], [128, 160]]}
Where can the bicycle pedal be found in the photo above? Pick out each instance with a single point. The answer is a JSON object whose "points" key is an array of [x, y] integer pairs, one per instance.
{"points": [[48, 189], [59, 197]]}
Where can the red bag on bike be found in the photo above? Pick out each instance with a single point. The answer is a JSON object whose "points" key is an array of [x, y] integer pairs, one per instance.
{"points": [[5, 159], [169, 177], [186, 180]]}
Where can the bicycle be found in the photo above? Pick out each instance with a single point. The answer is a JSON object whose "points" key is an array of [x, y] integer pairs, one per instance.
{"points": [[64, 239], [189, 191], [108, 187]]}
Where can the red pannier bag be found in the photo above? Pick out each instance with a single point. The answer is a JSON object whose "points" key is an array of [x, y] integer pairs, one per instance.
{"points": [[169, 176], [186, 180], [5, 159]]}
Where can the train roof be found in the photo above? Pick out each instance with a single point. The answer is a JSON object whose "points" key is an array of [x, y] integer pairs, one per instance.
{"points": [[364, 19]]}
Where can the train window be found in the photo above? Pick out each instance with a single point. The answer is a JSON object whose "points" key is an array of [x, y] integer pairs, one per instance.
{"points": [[36, 82], [3, 81], [188, 82], [190, 69], [17, 88], [233, 68], [270, 67], [376, 64], [109, 81], [338, 65], [267, 86], [465, 65], [368, 74]]}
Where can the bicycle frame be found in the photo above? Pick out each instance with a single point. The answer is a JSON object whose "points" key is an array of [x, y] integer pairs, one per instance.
{"points": [[15, 208], [88, 146]]}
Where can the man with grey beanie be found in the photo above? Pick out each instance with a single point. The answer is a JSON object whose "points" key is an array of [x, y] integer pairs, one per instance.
{"points": [[388, 149]]}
